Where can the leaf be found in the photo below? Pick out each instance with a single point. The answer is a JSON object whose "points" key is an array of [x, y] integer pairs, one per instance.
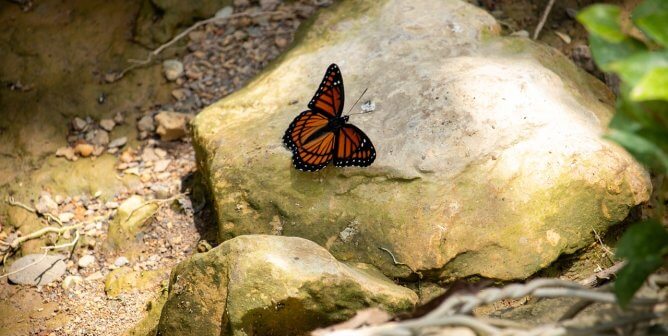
{"points": [[602, 20], [643, 246], [633, 68], [651, 16], [653, 86], [642, 149], [605, 52]]}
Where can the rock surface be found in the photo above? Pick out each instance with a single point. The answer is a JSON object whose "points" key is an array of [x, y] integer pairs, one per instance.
{"points": [[43, 271], [267, 285], [132, 215], [490, 157]]}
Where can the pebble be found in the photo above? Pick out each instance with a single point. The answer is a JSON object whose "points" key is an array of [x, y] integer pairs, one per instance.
{"points": [[148, 154], [49, 269], [86, 261], [79, 124], [119, 118], [121, 261], [67, 152], [111, 205], [66, 217], [145, 124], [83, 149], [171, 125], [46, 204], [180, 94], [161, 165], [71, 281], [520, 33], [225, 12], [281, 42], [118, 142], [161, 190], [107, 124], [269, 5], [172, 69], [100, 138], [161, 153], [59, 199], [98, 150], [95, 276]]}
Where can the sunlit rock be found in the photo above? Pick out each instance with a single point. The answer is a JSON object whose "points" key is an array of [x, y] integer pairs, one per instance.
{"points": [[490, 157], [268, 285]]}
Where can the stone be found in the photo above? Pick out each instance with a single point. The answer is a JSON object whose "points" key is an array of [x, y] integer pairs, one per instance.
{"points": [[86, 261], [118, 142], [111, 205], [65, 217], [107, 124], [44, 270], [121, 261], [84, 149], [46, 204], [131, 217], [269, 5], [161, 190], [172, 69], [490, 160], [258, 282], [145, 124], [281, 42], [71, 281], [224, 12], [95, 276], [119, 118], [79, 124], [171, 125], [67, 152], [161, 165], [101, 138]]}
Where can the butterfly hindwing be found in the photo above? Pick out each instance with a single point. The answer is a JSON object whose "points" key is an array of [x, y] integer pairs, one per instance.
{"points": [[330, 97], [353, 148], [302, 127]]}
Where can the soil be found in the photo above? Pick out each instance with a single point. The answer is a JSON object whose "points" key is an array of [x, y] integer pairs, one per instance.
{"points": [[55, 56]]}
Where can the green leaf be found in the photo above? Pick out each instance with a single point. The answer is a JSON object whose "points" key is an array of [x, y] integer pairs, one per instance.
{"points": [[643, 246], [633, 68], [651, 16], [653, 86], [641, 148], [605, 53], [602, 20]]}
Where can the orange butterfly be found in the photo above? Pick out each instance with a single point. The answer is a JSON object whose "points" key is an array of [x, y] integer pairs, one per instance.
{"points": [[320, 134]]}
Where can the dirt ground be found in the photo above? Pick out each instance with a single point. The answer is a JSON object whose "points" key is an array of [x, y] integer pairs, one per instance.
{"points": [[218, 59]]}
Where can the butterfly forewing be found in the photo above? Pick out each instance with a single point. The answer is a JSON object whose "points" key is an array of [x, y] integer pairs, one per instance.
{"points": [[330, 97], [305, 125]]}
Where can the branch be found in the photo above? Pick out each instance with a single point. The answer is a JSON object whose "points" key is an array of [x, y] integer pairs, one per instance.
{"points": [[543, 18]]}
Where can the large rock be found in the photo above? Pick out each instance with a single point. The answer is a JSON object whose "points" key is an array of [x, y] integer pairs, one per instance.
{"points": [[267, 285], [37, 269], [490, 157]]}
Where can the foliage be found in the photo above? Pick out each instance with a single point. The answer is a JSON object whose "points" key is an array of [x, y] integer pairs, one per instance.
{"points": [[638, 54]]}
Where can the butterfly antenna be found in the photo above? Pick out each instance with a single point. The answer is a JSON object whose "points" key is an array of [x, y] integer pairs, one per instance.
{"points": [[357, 101]]}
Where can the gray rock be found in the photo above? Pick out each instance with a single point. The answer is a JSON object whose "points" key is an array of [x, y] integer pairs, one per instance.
{"points": [[172, 69], [45, 204], [489, 161], [171, 125], [79, 124], [107, 124], [161, 190], [118, 142], [100, 138], [145, 124], [225, 12], [86, 261], [66, 217], [46, 269], [161, 165], [121, 261], [119, 118], [71, 281]]}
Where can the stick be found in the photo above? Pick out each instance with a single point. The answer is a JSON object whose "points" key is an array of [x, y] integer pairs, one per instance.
{"points": [[18, 241], [395, 261], [543, 18], [152, 54]]}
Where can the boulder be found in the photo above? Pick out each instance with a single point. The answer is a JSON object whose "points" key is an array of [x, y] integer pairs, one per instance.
{"points": [[490, 159], [270, 285], [37, 269], [132, 215]]}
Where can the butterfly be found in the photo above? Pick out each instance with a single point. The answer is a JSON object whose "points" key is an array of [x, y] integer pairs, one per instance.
{"points": [[321, 134]]}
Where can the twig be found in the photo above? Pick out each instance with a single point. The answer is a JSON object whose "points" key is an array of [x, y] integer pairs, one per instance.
{"points": [[394, 260], [26, 266], [11, 201], [18, 241], [607, 273], [543, 18], [46, 251], [603, 246], [154, 53]]}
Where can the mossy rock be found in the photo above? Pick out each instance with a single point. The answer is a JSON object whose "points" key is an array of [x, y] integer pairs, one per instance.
{"points": [[490, 159]]}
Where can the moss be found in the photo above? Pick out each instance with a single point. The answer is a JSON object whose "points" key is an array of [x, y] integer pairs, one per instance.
{"points": [[124, 280]]}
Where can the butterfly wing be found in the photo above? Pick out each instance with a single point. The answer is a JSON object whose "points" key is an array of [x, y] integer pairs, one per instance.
{"points": [[353, 148], [329, 98], [312, 147]]}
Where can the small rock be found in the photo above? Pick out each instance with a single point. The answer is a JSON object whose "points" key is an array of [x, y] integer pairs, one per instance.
{"points": [[196, 36], [281, 42], [563, 37], [172, 69], [127, 156], [161, 165], [83, 149], [161, 191], [98, 150], [67, 152], [47, 269], [171, 125], [269, 5], [119, 118], [71, 281], [59, 199], [111, 205], [86, 261], [66, 217], [46, 204], [241, 3], [161, 153], [100, 138], [79, 124], [180, 94], [118, 142], [148, 154], [225, 12], [121, 261], [145, 124], [520, 33], [95, 276], [107, 124]]}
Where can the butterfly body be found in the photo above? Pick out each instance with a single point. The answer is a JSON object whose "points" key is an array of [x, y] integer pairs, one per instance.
{"points": [[322, 134]]}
